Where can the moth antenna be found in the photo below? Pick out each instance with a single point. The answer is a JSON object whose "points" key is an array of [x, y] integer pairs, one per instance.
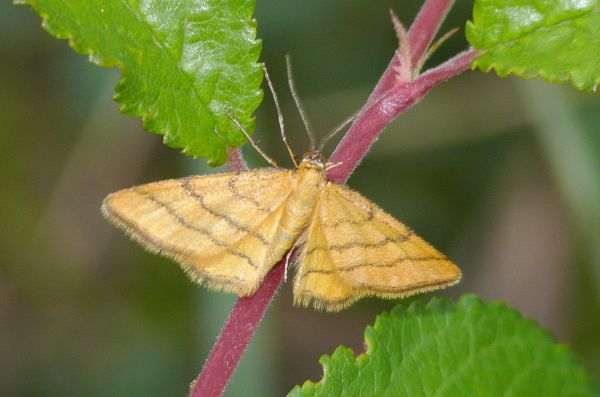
{"points": [[337, 129], [254, 145], [350, 119], [279, 116], [311, 135]]}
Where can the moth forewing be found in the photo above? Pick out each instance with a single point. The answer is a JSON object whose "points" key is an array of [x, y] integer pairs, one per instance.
{"points": [[218, 227], [354, 249]]}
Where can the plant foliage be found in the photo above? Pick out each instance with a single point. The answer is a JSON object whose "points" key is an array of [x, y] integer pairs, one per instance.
{"points": [[470, 348], [183, 63], [555, 39]]}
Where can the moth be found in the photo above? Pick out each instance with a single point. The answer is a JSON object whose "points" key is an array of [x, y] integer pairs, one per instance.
{"points": [[228, 230]]}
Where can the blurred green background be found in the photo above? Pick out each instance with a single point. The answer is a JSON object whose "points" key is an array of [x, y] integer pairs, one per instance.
{"points": [[501, 174]]}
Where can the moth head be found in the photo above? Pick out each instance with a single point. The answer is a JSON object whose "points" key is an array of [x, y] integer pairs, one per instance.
{"points": [[313, 160]]}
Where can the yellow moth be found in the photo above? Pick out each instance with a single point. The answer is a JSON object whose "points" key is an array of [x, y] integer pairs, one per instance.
{"points": [[228, 230]]}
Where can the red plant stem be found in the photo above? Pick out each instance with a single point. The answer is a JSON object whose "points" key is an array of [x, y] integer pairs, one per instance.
{"points": [[425, 26], [235, 336], [235, 160], [446, 70], [420, 35], [242, 323], [388, 99], [370, 123]]}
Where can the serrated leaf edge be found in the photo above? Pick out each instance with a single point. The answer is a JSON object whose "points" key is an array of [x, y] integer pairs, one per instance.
{"points": [[146, 115], [526, 73], [435, 305]]}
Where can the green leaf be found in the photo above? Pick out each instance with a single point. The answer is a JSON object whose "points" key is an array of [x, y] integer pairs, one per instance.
{"points": [[183, 63], [443, 349], [558, 40]]}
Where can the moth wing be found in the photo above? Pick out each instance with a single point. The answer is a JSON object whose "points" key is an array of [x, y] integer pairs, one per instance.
{"points": [[353, 249], [217, 227]]}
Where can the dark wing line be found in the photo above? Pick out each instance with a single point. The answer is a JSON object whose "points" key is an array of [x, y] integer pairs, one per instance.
{"points": [[370, 214], [353, 244], [185, 183], [158, 245], [370, 208], [392, 263], [181, 221], [238, 195]]}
